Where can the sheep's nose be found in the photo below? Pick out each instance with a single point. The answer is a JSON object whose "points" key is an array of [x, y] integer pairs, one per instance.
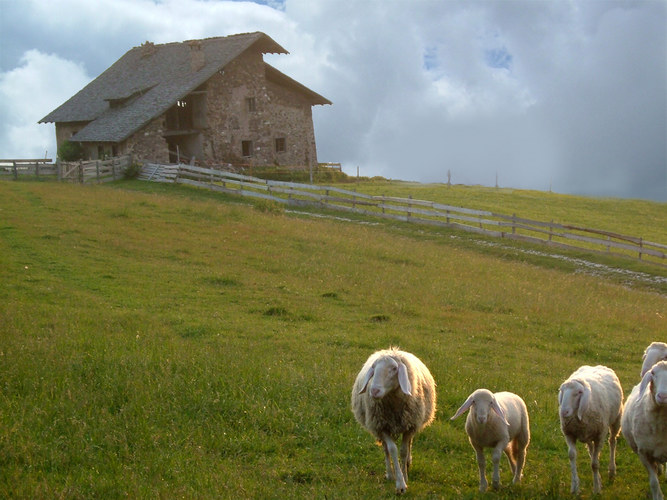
{"points": [[566, 412], [661, 398], [375, 392]]}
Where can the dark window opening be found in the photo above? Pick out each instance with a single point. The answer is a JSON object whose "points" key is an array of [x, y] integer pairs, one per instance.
{"points": [[251, 104], [179, 116], [246, 148], [281, 146]]}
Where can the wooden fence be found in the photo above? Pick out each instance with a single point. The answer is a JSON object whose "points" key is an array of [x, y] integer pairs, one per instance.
{"points": [[94, 171], [411, 210], [83, 172], [37, 168]]}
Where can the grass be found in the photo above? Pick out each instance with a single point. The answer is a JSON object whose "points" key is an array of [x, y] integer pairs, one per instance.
{"points": [[159, 341], [639, 218]]}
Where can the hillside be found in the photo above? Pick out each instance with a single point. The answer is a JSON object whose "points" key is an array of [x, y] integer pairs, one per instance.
{"points": [[160, 341]]}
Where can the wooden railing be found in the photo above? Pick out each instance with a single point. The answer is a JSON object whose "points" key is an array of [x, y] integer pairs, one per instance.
{"points": [[412, 210], [89, 171], [35, 167], [94, 171]]}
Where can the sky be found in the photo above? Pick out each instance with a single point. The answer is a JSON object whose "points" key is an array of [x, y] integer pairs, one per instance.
{"points": [[561, 95]]}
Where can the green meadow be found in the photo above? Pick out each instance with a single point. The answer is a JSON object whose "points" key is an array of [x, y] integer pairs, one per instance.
{"points": [[158, 341]]}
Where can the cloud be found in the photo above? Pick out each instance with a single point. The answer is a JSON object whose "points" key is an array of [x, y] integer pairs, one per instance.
{"points": [[568, 95], [25, 93]]}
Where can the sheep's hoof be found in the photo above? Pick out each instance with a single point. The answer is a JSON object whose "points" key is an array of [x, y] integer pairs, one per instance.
{"points": [[401, 488], [496, 485]]}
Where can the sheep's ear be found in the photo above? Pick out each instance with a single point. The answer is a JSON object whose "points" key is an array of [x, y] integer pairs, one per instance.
{"points": [[501, 413], [367, 379], [403, 379], [648, 376], [584, 401], [464, 407], [560, 396]]}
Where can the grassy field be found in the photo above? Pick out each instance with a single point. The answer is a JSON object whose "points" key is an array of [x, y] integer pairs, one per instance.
{"points": [[163, 342], [639, 218]]}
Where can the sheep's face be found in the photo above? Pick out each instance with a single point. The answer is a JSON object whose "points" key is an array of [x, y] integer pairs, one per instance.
{"points": [[654, 353], [569, 398], [657, 378], [480, 409], [385, 376]]}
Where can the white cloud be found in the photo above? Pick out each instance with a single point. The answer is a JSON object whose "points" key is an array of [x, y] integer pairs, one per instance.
{"points": [[28, 92]]}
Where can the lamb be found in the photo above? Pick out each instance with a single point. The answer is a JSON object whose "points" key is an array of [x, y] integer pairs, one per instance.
{"points": [[506, 428], [655, 352], [645, 423], [591, 405], [394, 394]]}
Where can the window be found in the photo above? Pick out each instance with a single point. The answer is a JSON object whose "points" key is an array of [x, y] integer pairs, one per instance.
{"points": [[281, 147], [250, 104], [246, 148]]}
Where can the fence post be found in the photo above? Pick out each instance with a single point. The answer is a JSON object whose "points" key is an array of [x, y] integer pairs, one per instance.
{"points": [[409, 207], [59, 173], [80, 172], [37, 169], [551, 229], [97, 170], [513, 223], [16, 172], [641, 245]]}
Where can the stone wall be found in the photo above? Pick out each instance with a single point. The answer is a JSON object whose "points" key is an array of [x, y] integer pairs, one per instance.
{"points": [[148, 144], [278, 114]]}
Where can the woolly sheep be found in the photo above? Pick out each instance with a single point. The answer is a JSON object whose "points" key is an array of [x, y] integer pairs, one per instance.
{"points": [[394, 394], [645, 422], [657, 351], [498, 421], [590, 406]]}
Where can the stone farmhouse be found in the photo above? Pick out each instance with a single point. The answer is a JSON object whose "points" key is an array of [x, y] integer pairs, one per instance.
{"points": [[212, 101]]}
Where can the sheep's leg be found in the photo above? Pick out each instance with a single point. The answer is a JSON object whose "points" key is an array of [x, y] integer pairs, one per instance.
{"points": [[495, 456], [572, 455], [594, 449], [510, 452], [481, 463], [392, 450], [406, 453], [612, 457], [389, 475], [615, 427], [520, 454], [653, 480]]}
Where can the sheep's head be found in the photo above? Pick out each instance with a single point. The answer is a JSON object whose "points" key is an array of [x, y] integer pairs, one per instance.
{"points": [[657, 351], [482, 402], [387, 374], [574, 397], [656, 380]]}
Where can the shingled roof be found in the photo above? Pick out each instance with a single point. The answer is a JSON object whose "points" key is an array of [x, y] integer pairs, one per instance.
{"points": [[149, 79]]}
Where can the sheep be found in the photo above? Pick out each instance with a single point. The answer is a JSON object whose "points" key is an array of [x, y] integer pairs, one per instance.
{"points": [[506, 428], [394, 394], [655, 352], [590, 406], [644, 422]]}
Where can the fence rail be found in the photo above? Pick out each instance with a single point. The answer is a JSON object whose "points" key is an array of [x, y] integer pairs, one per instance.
{"points": [[41, 167], [84, 172], [411, 210]]}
